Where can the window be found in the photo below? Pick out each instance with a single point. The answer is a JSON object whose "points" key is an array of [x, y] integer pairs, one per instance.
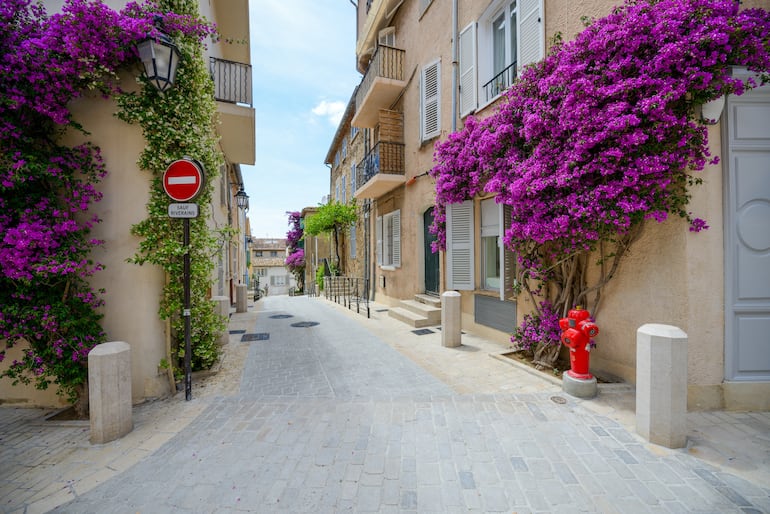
{"points": [[508, 36], [353, 184], [430, 101], [337, 159], [353, 131], [278, 280], [459, 246], [344, 148], [257, 253], [424, 4], [387, 37], [490, 245], [337, 190], [344, 189], [273, 254], [388, 232], [353, 241], [261, 272]]}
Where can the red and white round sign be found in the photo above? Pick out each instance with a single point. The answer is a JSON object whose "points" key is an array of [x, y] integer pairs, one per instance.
{"points": [[183, 180]]}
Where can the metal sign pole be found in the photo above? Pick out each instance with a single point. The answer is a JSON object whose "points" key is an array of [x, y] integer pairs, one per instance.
{"points": [[187, 314]]}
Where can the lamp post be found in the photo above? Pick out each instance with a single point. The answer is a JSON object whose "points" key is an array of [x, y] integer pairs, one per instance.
{"points": [[160, 57]]}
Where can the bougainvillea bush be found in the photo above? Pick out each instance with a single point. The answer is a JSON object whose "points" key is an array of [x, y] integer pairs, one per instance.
{"points": [[602, 135], [295, 261], [47, 189]]}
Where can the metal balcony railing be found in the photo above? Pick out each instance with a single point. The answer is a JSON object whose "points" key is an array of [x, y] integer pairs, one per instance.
{"points": [[385, 157], [387, 62], [500, 82], [232, 81]]}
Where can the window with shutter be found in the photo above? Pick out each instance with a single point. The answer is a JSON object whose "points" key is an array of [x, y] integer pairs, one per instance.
{"points": [[430, 101], [507, 258], [378, 234], [353, 241], [388, 231], [387, 37], [467, 51], [396, 239], [459, 245]]}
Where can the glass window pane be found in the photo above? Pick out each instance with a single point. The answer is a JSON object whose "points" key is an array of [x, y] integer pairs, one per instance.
{"points": [[498, 44]]}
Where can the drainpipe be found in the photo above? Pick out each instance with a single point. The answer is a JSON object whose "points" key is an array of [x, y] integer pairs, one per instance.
{"points": [[455, 65]]}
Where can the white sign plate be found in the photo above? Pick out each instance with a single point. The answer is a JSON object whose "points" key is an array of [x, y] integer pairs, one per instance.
{"points": [[183, 210]]}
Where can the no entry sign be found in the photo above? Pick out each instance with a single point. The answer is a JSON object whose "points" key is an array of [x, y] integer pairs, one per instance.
{"points": [[183, 180]]}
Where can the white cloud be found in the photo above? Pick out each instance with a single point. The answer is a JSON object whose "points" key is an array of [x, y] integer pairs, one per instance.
{"points": [[332, 111]]}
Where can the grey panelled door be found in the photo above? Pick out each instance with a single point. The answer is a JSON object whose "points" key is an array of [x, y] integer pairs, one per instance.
{"points": [[747, 237], [431, 259]]}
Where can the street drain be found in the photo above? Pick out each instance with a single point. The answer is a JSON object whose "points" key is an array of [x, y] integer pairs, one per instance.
{"points": [[304, 324], [281, 316], [558, 399], [422, 331], [248, 338], [237, 331]]}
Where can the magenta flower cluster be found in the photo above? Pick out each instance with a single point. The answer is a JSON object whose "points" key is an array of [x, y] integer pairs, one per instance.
{"points": [[602, 133], [296, 258], [47, 189], [539, 329]]}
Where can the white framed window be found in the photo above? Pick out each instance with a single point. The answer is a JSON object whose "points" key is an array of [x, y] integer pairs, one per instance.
{"points": [[508, 36], [387, 37], [424, 4], [337, 158], [344, 187], [261, 272], [353, 241], [337, 190], [278, 280], [430, 101], [344, 148], [490, 245], [353, 178], [388, 233]]}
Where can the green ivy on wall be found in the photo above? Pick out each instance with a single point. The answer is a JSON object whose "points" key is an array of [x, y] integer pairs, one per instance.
{"points": [[175, 124]]}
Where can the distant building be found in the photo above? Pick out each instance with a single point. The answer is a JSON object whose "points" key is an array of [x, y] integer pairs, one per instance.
{"points": [[268, 259]]}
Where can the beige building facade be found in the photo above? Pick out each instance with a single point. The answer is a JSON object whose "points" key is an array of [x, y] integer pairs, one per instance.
{"points": [[417, 88], [133, 292]]}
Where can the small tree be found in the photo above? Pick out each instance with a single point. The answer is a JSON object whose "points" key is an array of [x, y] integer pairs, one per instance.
{"points": [[332, 217], [295, 261]]}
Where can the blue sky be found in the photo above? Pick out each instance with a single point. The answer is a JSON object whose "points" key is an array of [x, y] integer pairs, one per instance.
{"points": [[303, 64]]}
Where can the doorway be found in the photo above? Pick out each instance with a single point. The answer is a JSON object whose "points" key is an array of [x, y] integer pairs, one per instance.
{"points": [[431, 258]]}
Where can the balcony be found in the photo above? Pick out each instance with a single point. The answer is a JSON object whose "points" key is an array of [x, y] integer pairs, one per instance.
{"points": [[381, 170], [233, 93], [500, 82], [381, 85]]}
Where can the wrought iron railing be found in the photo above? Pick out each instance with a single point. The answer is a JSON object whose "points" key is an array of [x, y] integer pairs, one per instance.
{"points": [[348, 291], [500, 82], [387, 62], [232, 81], [385, 157]]}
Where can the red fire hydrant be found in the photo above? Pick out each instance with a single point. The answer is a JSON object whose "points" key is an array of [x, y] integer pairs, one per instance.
{"points": [[576, 332]]}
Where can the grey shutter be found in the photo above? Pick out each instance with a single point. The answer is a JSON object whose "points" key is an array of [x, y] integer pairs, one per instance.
{"points": [[378, 234], [430, 101], [396, 248], [468, 92], [531, 32], [459, 244]]}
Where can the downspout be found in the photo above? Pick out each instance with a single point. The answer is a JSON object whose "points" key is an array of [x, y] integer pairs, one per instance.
{"points": [[455, 65]]}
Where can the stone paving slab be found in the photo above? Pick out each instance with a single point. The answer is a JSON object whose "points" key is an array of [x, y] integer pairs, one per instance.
{"points": [[357, 415]]}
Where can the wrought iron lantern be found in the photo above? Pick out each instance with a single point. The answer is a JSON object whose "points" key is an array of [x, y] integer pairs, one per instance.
{"points": [[160, 58], [242, 199]]}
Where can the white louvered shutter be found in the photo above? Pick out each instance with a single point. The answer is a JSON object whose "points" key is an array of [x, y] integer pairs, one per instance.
{"points": [[531, 32], [459, 244], [507, 258], [378, 235], [396, 222], [430, 101], [468, 92]]}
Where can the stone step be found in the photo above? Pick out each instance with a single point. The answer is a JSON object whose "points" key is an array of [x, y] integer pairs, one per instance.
{"points": [[409, 317], [432, 313], [433, 301]]}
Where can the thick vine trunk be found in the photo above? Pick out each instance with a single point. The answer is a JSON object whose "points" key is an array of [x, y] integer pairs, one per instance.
{"points": [[81, 404]]}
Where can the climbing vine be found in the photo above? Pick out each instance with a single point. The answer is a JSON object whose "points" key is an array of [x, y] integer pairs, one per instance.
{"points": [[175, 124], [597, 138], [295, 261]]}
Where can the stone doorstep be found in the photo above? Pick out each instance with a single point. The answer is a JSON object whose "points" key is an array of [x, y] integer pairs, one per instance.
{"points": [[432, 313], [409, 317], [433, 301]]}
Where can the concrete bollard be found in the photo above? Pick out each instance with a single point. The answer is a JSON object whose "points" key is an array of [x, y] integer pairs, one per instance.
{"points": [[109, 391], [451, 320], [661, 385], [241, 291], [222, 308]]}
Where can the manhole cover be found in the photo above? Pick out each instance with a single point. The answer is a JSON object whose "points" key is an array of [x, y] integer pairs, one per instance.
{"points": [[281, 316], [248, 338], [558, 399], [237, 331], [381, 310], [422, 331], [304, 324]]}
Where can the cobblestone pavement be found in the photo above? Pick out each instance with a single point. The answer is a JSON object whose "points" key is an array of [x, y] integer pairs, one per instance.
{"points": [[361, 415]]}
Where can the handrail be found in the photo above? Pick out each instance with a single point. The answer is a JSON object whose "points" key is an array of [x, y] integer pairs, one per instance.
{"points": [[347, 291], [500, 82], [387, 62], [384, 157], [232, 81]]}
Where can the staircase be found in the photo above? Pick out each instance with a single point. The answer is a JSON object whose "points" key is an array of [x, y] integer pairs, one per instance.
{"points": [[423, 311]]}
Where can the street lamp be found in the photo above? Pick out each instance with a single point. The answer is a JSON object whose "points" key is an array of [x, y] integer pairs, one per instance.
{"points": [[160, 58], [242, 199]]}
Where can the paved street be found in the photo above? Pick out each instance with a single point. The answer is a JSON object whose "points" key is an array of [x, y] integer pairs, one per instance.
{"points": [[336, 415]]}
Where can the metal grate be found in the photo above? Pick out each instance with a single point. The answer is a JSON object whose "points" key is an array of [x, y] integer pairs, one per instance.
{"points": [[422, 331], [281, 316], [248, 338], [237, 331], [305, 324]]}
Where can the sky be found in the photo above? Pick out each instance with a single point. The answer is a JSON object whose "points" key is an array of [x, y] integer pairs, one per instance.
{"points": [[303, 66]]}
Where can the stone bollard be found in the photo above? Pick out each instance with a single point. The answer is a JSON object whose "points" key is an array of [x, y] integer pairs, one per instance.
{"points": [[661, 385], [451, 320], [109, 391], [222, 308], [241, 296]]}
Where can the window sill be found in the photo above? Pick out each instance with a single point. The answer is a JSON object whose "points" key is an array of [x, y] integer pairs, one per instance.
{"points": [[388, 268]]}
